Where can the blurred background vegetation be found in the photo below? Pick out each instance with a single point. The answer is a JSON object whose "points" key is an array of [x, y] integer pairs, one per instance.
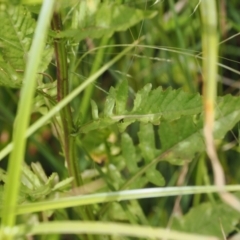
{"points": [[168, 56]]}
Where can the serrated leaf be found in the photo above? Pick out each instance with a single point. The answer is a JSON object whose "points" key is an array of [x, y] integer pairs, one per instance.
{"points": [[87, 13], [121, 97], [169, 104], [182, 139], [151, 106], [30, 179], [124, 123], [184, 136], [227, 115], [208, 219], [39, 172], [97, 124], [129, 152], [105, 22], [43, 190], [16, 31], [141, 96], [147, 141], [115, 177], [155, 177], [60, 186]]}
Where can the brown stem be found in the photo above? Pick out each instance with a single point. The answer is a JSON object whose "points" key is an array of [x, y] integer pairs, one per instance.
{"points": [[62, 91]]}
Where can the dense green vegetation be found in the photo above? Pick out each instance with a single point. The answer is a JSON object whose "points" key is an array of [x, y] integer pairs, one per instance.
{"points": [[111, 113]]}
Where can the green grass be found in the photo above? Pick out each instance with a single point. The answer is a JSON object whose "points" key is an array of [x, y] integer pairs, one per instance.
{"points": [[102, 120]]}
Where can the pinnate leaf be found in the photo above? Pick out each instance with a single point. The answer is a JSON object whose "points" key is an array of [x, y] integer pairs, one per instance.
{"points": [[155, 177], [147, 141], [16, 31], [150, 106], [181, 130], [103, 19], [170, 104], [184, 137], [129, 152]]}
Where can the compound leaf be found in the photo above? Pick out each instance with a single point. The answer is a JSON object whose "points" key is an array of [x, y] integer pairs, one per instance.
{"points": [[184, 136], [99, 21], [149, 107], [147, 141], [129, 152], [16, 30]]}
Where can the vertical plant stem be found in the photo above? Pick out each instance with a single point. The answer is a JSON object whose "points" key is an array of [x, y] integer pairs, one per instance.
{"points": [[69, 144], [23, 118], [62, 91], [210, 58]]}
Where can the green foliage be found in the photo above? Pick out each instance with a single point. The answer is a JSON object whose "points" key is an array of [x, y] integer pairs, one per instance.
{"points": [[210, 219], [129, 152], [146, 120], [185, 134], [181, 116], [16, 28], [96, 20], [35, 185], [149, 106], [180, 131]]}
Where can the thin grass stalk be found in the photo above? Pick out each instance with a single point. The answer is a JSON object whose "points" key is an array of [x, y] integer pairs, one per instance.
{"points": [[180, 36], [89, 90], [23, 117], [119, 229], [210, 45], [81, 200]]}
